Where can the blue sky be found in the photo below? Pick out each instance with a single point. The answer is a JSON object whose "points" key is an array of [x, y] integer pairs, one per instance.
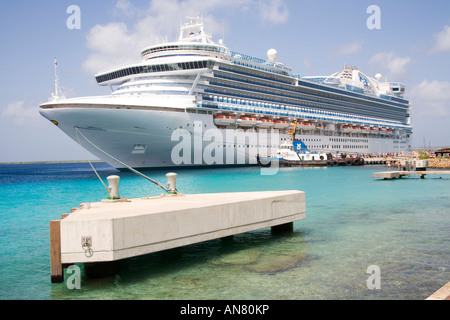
{"points": [[312, 37]]}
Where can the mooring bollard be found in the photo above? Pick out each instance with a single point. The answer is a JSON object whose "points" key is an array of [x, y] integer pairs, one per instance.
{"points": [[172, 182], [113, 189]]}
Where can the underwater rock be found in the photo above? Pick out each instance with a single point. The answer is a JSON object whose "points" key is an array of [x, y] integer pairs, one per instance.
{"points": [[277, 263], [242, 257]]}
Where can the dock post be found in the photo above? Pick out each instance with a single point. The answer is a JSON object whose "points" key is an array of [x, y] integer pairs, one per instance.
{"points": [[56, 268]]}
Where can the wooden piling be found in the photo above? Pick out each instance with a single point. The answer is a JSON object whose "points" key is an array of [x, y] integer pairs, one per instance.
{"points": [[56, 267]]}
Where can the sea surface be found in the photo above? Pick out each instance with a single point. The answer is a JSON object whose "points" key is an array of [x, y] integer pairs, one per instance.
{"points": [[354, 224]]}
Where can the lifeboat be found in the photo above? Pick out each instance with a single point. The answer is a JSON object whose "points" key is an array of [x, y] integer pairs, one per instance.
{"points": [[306, 125], [365, 129], [347, 129], [352, 129], [223, 120], [374, 130], [389, 131], [281, 124], [383, 131], [319, 126], [247, 121], [357, 129], [265, 123]]}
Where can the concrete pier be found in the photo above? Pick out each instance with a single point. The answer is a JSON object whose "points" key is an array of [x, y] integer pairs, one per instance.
{"points": [[102, 231]]}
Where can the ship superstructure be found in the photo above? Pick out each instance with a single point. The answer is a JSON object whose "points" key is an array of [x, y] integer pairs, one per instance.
{"points": [[194, 102]]}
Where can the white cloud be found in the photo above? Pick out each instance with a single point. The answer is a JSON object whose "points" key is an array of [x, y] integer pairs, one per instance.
{"points": [[390, 64], [431, 98], [117, 43], [442, 41], [275, 11], [351, 48], [125, 7], [22, 113], [111, 44]]}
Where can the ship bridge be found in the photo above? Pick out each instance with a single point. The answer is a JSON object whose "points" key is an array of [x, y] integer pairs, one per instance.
{"points": [[193, 50], [193, 40]]}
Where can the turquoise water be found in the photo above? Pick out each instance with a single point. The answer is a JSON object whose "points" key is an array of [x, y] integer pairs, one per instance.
{"points": [[352, 222]]}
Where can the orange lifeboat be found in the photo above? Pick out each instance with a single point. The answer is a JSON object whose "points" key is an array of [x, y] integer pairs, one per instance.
{"points": [[247, 121], [281, 124], [352, 129], [365, 129], [347, 129], [306, 125], [223, 120], [265, 123]]}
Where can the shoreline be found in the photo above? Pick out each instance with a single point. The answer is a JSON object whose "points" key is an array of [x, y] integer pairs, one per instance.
{"points": [[50, 162], [434, 163]]}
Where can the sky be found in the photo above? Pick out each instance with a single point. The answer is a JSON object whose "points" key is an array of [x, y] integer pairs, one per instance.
{"points": [[405, 41]]}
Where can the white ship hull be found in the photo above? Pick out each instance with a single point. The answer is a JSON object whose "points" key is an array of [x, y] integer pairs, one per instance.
{"points": [[150, 137]]}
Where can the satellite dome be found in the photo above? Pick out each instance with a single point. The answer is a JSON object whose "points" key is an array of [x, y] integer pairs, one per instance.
{"points": [[378, 76], [272, 54]]}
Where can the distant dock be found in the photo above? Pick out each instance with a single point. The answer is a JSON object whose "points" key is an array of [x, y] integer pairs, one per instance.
{"points": [[408, 168], [104, 232], [398, 174]]}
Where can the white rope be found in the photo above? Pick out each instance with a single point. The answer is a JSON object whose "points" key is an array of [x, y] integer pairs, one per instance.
{"points": [[98, 176], [125, 165]]}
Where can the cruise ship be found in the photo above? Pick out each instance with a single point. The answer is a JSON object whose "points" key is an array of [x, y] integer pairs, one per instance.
{"points": [[194, 102]]}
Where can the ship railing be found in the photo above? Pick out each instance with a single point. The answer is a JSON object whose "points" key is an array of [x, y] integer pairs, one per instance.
{"points": [[310, 115], [299, 115], [269, 63], [249, 106]]}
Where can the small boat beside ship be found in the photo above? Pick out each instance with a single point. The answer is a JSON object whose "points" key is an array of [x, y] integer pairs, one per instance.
{"points": [[296, 154]]}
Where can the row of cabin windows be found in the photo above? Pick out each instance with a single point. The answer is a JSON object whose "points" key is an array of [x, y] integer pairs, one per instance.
{"points": [[152, 68]]}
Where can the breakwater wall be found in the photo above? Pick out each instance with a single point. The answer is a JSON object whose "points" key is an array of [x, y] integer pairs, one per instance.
{"points": [[439, 163]]}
